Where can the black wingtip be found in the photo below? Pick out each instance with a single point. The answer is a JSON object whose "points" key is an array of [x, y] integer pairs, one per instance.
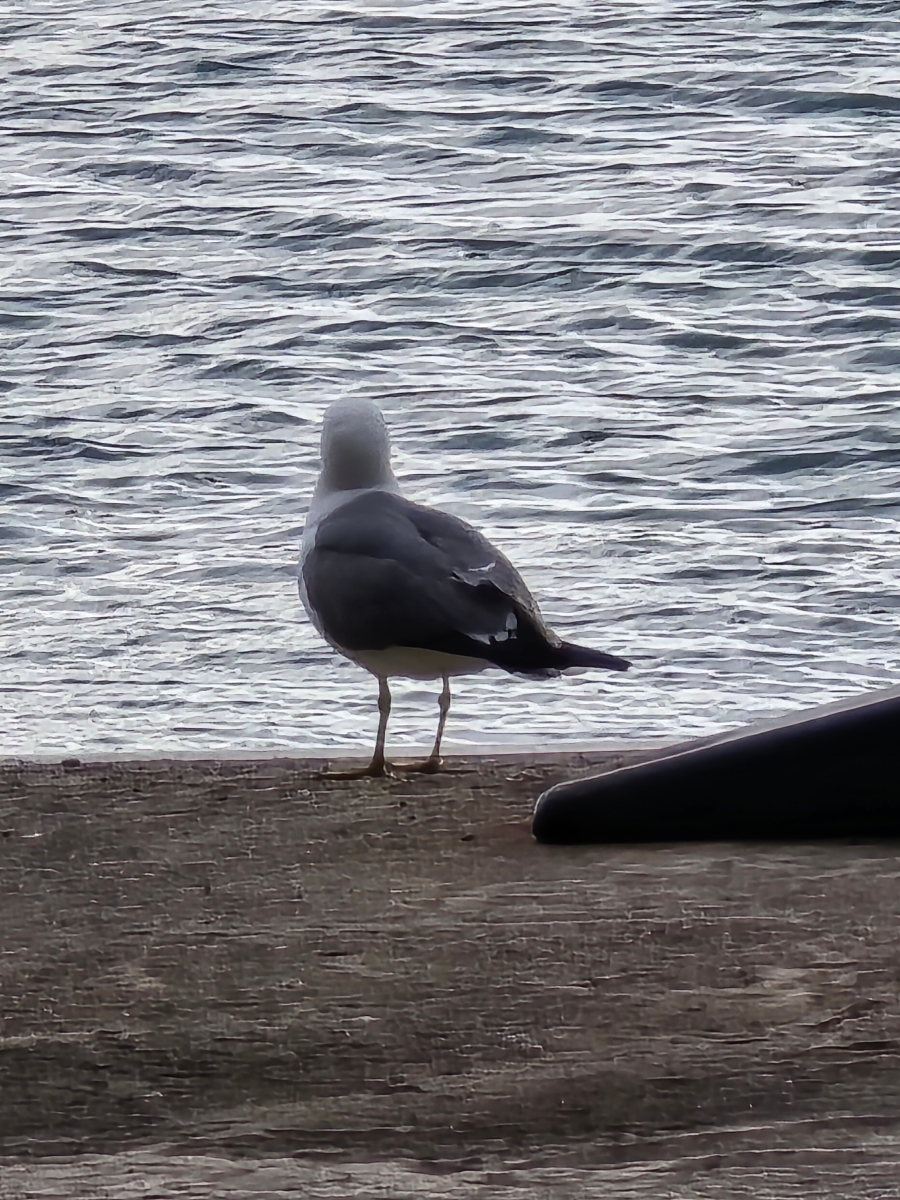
{"points": [[584, 656]]}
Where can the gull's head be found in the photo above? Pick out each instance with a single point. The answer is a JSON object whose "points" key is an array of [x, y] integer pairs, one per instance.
{"points": [[356, 447]]}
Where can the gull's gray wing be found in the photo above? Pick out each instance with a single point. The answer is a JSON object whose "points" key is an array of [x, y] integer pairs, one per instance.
{"points": [[384, 572]]}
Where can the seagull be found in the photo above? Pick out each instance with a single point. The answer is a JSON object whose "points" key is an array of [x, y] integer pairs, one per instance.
{"points": [[409, 591]]}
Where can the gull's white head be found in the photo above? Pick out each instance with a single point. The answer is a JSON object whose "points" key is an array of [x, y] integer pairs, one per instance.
{"points": [[356, 447]]}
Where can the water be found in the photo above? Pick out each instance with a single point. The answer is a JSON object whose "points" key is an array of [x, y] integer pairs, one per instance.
{"points": [[625, 278]]}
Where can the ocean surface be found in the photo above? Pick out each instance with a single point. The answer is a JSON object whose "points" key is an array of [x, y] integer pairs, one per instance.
{"points": [[625, 279]]}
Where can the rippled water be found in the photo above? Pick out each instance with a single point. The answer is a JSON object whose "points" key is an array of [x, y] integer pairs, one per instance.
{"points": [[625, 278]]}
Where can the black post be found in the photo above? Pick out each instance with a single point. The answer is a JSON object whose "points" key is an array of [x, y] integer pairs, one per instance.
{"points": [[832, 772]]}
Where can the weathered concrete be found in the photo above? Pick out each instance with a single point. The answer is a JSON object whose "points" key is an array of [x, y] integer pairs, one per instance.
{"points": [[386, 988]]}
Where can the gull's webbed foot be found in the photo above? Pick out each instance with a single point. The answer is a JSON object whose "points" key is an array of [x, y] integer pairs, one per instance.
{"points": [[378, 768], [428, 766], [432, 766]]}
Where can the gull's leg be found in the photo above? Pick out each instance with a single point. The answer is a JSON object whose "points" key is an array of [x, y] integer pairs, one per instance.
{"points": [[432, 763], [377, 765], [377, 768]]}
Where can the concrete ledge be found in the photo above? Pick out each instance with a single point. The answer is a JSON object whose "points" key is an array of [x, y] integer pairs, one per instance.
{"points": [[243, 959]]}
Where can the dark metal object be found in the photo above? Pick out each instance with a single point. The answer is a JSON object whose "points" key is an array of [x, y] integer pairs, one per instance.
{"points": [[830, 772]]}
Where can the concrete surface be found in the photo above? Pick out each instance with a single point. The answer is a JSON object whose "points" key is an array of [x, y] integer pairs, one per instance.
{"points": [[240, 978]]}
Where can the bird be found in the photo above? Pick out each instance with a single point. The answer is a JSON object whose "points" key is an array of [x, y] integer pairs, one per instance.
{"points": [[409, 591]]}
